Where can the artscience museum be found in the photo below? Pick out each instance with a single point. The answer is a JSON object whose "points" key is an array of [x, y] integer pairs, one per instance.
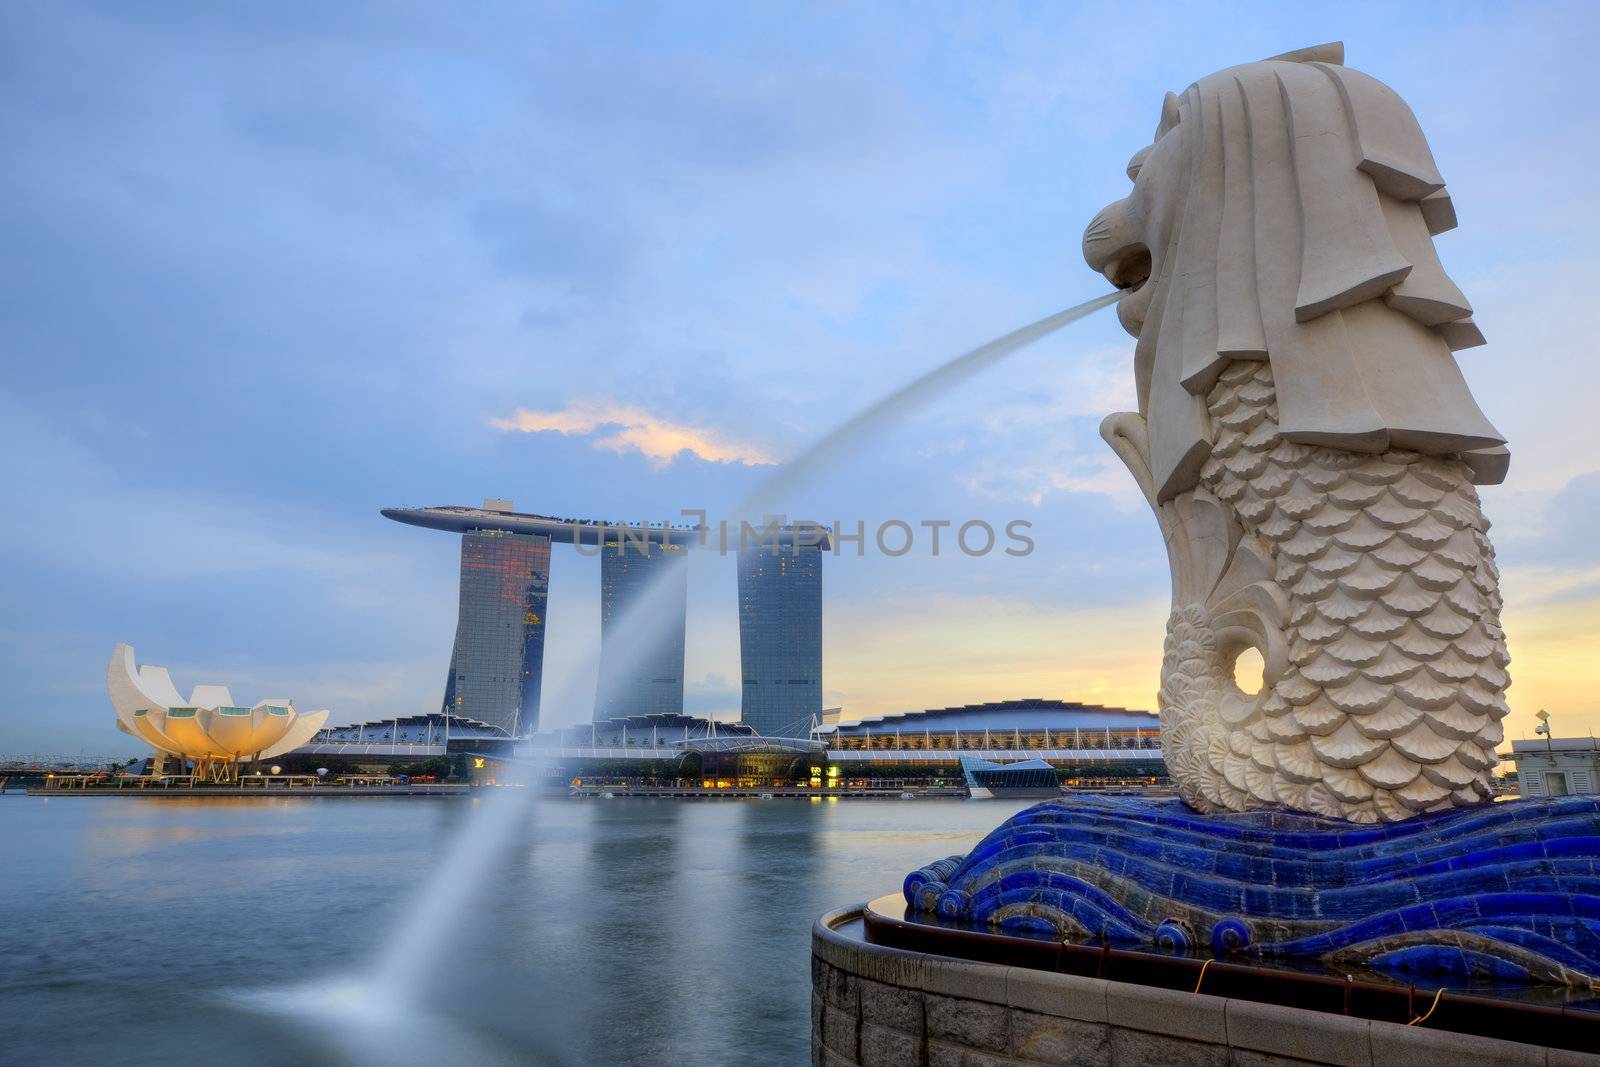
{"points": [[207, 730]]}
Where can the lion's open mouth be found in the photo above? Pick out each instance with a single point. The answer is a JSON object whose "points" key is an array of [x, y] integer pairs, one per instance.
{"points": [[1131, 269]]}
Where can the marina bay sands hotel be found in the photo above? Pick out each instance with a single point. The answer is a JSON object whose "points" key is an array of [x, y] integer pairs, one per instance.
{"points": [[497, 663]]}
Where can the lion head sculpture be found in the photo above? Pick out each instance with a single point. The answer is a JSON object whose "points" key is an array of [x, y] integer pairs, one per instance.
{"points": [[1285, 212]]}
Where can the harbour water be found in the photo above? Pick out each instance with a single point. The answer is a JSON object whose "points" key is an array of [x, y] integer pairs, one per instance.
{"points": [[627, 931]]}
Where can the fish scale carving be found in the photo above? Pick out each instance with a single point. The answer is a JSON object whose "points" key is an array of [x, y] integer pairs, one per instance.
{"points": [[1390, 699]]}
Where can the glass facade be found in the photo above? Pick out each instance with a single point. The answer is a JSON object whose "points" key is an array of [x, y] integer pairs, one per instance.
{"points": [[498, 660], [750, 770], [641, 665], [780, 637]]}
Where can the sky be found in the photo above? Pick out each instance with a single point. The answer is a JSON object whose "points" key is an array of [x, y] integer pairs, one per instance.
{"points": [[270, 268]]}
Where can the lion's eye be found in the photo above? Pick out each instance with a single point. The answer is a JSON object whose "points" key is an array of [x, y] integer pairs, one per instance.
{"points": [[1136, 164]]}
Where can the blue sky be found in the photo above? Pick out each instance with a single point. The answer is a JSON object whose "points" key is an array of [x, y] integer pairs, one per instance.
{"points": [[267, 270]]}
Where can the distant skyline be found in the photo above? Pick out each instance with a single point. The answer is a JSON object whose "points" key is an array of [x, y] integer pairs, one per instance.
{"points": [[269, 270]]}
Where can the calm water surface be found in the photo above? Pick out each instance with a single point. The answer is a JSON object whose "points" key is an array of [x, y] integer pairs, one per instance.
{"points": [[625, 931]]}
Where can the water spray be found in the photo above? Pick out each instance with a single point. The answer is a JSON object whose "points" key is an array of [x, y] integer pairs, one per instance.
{"points": [[394, 980]]}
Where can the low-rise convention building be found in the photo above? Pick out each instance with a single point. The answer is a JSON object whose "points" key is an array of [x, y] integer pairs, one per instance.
{"points": [[663, 747], [671, 747], [1087, 744], [433, 734], [430, 747], [1006, 746]]}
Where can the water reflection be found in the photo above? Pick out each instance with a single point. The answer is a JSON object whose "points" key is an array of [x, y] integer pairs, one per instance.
{"points": [[621, 931]]}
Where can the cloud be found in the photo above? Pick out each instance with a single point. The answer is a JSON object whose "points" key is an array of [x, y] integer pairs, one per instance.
{"points": [[162, 534], [632, 429], [713, 695], [1555, 529], [1063, 473]]}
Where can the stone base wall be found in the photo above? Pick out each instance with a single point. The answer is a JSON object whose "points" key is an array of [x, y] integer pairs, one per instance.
{"points": [[881, 1007]]}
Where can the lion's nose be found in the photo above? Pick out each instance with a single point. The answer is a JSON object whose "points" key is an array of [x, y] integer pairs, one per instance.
{"points": [[1113, 234]]}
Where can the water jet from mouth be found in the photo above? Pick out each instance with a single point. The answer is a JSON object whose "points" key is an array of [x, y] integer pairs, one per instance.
{"points": [[397, 977], [838, 442]]}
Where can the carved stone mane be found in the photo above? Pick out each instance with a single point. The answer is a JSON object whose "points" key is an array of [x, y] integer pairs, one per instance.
{"points": [[1309, 446], [1285, 212]]}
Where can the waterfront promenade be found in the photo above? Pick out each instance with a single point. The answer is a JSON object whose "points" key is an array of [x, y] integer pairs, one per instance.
{"points": [[158, 792], [895, 791]]}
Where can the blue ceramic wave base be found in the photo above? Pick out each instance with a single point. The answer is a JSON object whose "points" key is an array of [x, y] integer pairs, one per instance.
{"points": [[1503, 892]]}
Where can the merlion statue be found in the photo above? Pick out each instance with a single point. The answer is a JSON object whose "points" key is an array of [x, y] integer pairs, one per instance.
{"points": [[1309, 447]]}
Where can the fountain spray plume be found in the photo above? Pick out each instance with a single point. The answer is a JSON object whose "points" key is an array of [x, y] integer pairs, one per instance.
{"points": [[395, 978], [422, 937], [840, 441], [383, 1011], [421, 940], [635, 634]]}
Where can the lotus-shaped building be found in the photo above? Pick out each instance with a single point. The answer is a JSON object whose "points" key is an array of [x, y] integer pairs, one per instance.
{"points": [[207, 728]]}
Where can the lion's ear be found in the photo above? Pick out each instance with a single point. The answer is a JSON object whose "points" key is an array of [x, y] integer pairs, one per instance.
{"points": [[1169, 116], [1332, 52]]}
